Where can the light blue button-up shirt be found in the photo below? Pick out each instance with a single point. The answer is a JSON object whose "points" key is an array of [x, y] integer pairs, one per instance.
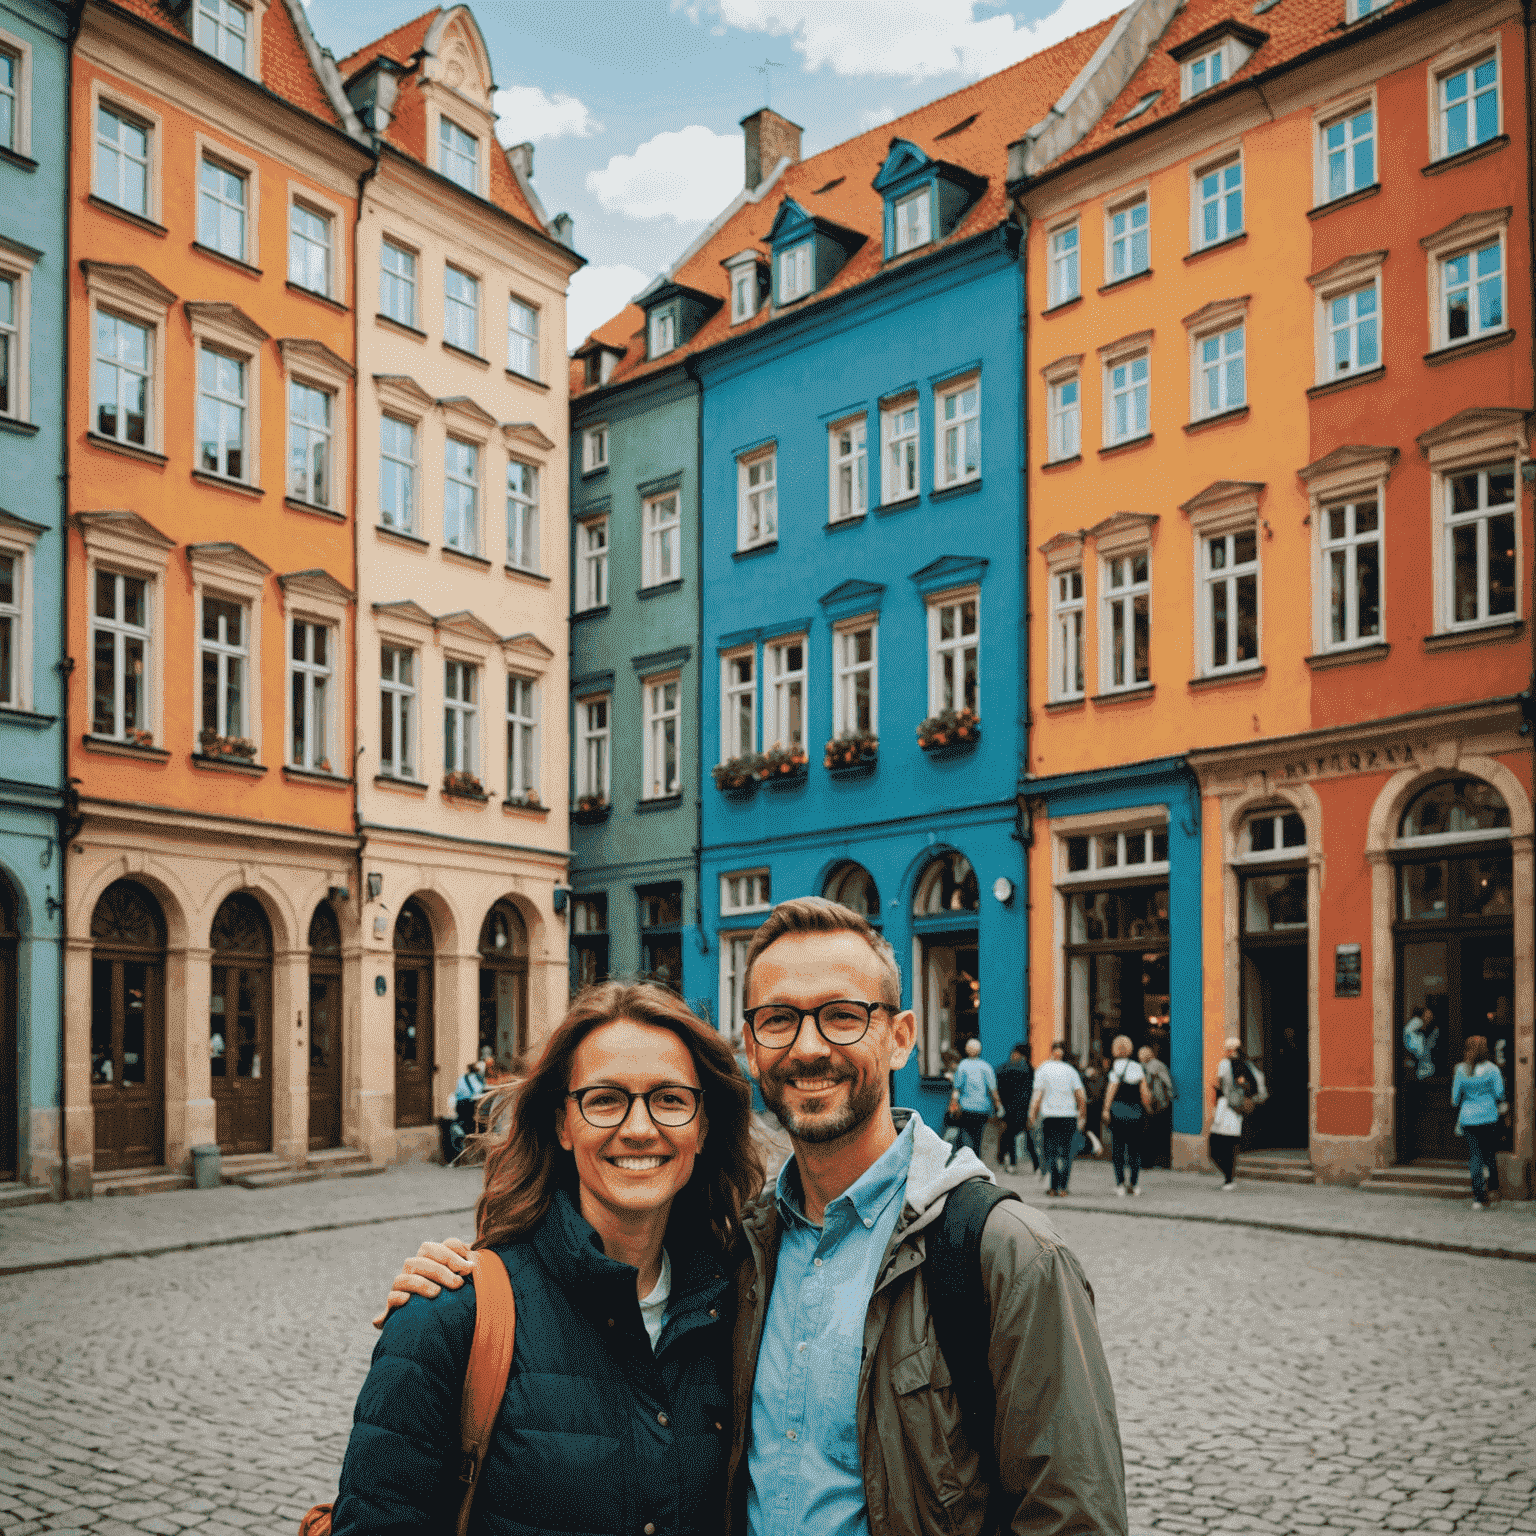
{"points": [[804, 1455]]}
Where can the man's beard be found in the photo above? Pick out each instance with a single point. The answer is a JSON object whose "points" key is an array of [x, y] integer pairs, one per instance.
{"points": [[861, 1104]]}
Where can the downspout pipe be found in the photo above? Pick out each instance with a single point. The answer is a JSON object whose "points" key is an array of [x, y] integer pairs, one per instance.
{"points": [[1024, 719], [690, 367]]}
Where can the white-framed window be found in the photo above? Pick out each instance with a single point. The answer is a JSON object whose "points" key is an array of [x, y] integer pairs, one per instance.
{"points": [[1471, 293], [1273, 835], [1201, 73], [1065, 273], [309, 248], [522, 737], [1125, 641], [458, 155], [223, 29], [1219, 203], [461, 718], [954, 653], [11, 620], [397, 474], [795, 272], [1066, 418], [1095, 855], [222, 193], [309, 443], [1127, 399], [899, 432], [733, 981], [958, 409], [743, 290], [397, 284], [522, 515], [1350, 540], [122, 160], [10, 98], [223, 659], [1067, 607], [461, 496], [397, 712], [1129, 236], [1229, 616], [663, 330], [592, 734], [914, 221], [594, 448], [1221, 371], [1358, 10], [1353, 326], [750, 890], [784, 693], [592, 559], [663, 723], [10, 345], [661, 535], [120, 655], [757, 500], [738, 697], [1347, 150], [522, 338], [1482, 555], [122, 379], [1468, 102], [311, 655], [848, 457], [221, 415], [856, 678], [461, 310]]}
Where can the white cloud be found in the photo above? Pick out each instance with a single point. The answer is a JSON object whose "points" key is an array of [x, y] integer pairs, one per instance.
{"points": [[524, 113], [598, 294], [688, 176], [905, 39], [872, 117]]}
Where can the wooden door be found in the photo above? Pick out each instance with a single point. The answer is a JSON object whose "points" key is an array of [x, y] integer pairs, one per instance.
{"points": [[415, 1043], [240, 1026], [10, 1079], [324, 1056]]}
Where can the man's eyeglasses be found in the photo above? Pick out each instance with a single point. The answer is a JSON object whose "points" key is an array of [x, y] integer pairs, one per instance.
{"points": [[605, 1107], [840, 1022]]}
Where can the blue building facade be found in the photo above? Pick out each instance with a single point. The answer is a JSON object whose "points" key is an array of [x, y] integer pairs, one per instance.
{"points": [[34, 159], [862, 603]]}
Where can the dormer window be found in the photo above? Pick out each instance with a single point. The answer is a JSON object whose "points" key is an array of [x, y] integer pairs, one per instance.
{"points": [[223, 29], [1205, 72], [458, 154], [1214, 57], [914, 221], [795, 272], [663, 331], [747, 279]]}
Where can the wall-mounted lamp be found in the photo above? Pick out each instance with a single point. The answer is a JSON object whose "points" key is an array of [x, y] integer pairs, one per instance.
{"points": [[1002, 889], [338, 893], [375, 886], [561, 897], [380, 926]]}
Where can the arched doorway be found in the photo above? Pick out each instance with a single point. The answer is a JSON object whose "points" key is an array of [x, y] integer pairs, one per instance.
{"points": [[128, 1028], [852, 886], [1454, 932], [414, 1035], [503, 984], [946, 909], [324, 1029], [240, 1025], [10, 1079]]}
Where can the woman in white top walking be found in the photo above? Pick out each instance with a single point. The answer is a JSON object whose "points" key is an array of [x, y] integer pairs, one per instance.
{"points": [[1126, 1102], [1060, 1104]]}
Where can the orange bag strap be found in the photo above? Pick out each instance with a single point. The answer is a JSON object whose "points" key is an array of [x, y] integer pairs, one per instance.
{"points": [[485, 1382]]}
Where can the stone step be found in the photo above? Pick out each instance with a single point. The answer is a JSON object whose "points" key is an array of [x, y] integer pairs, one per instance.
{"points": [[280, 1178], [138, 1181], [1442, 1181], [13, 1196], [335, 1157], [1276, 1172]]}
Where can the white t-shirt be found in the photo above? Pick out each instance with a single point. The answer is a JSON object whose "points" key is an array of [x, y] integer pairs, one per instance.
{"points": [[1057, 1083], [1130, 1074], [653, 1308]]}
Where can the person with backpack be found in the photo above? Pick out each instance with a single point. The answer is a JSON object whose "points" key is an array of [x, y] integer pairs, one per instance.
{"points": [[916, 1353], [1477, 1096], [1157, 1145], [1239, 1091], [1015, 1086], [1127, 1098]]}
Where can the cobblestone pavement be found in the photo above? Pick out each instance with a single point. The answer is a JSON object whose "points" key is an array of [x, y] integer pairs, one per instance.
{"points": [[1267, 1382]]}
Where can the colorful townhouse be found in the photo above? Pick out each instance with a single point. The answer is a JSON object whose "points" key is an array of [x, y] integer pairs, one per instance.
{"points": [[34, 74], [212, 866], [462, 573], [1279, 395]]}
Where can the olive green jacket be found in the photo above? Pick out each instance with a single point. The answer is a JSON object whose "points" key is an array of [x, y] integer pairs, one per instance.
{"points": [[1056, 1440]]}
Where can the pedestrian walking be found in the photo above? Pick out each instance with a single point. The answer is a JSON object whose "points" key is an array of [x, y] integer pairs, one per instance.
{"points": [[1060, 1104], [1239, 1091], [1015, 1087], [1127, 1098], [1421, 1039], [974, 1097], [1157, 1141], [1095, 1074], [1477, 1096]]}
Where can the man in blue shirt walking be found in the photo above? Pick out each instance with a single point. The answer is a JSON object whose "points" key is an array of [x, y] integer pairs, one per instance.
{"points": [[975, 1096]]}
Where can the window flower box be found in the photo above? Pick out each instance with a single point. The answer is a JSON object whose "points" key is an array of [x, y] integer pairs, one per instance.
{"points": [[527, 801], [137, 736], [950, 732], [465, 785], [590, 810], [852, 755], [783, 767], [737, 777], [211, 744]]}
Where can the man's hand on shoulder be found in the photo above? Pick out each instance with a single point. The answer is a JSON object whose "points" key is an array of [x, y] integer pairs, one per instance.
{"points": [[433, 1268]]}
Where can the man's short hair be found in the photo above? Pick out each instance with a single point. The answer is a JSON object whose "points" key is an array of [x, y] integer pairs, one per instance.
{"points": [[816, 914]]}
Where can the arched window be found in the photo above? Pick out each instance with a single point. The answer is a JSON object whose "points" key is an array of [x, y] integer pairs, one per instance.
{"points": [[1456, 807], [240, 1025], [503, 984], [324, 932], [1275, 833], [946, 984], [947, 885], [502, 934], [854, 887]]}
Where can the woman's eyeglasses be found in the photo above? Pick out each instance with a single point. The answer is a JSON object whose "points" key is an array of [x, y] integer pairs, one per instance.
{"points": [[840, 1022], [604, 1107]]}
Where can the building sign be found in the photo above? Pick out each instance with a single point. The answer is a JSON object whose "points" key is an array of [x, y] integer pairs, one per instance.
{"points": [[1346, 970], [1360, 760]]}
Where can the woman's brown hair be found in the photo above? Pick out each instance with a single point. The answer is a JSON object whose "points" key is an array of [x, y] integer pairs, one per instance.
{"points": [[525, 1167], [1477, 1052]]}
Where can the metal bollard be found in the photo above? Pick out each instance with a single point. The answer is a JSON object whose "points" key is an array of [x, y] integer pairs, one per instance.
{"points": [[207, 1166]]}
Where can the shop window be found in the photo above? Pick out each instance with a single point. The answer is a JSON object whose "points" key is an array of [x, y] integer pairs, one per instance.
{"points": [[589, 938], [661, 934]]}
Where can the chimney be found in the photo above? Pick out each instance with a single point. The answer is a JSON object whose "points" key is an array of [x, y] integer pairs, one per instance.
{"points": [[769, 139], [563, 228], [521, 156]]}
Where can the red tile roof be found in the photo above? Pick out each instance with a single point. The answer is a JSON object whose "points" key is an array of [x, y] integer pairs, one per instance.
{"points": [[836, 185]]}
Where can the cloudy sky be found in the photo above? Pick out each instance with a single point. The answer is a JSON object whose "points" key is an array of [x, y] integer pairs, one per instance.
{"points": [[633, 105]]}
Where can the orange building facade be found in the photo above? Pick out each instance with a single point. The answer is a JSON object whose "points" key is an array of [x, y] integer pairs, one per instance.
{"points": [[210, 438], [1281, 385]]}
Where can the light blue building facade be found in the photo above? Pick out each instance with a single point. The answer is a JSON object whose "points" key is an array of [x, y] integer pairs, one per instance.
{"points": [[862, 569], [34, 162]]}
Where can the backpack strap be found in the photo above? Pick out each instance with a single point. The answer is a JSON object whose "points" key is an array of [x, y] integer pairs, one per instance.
{"points": [[485, 1381], [961, 1312]]}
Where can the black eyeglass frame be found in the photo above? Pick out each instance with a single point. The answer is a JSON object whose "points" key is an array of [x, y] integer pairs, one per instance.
{"points": [[749, 1018], [580, 1094]]}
